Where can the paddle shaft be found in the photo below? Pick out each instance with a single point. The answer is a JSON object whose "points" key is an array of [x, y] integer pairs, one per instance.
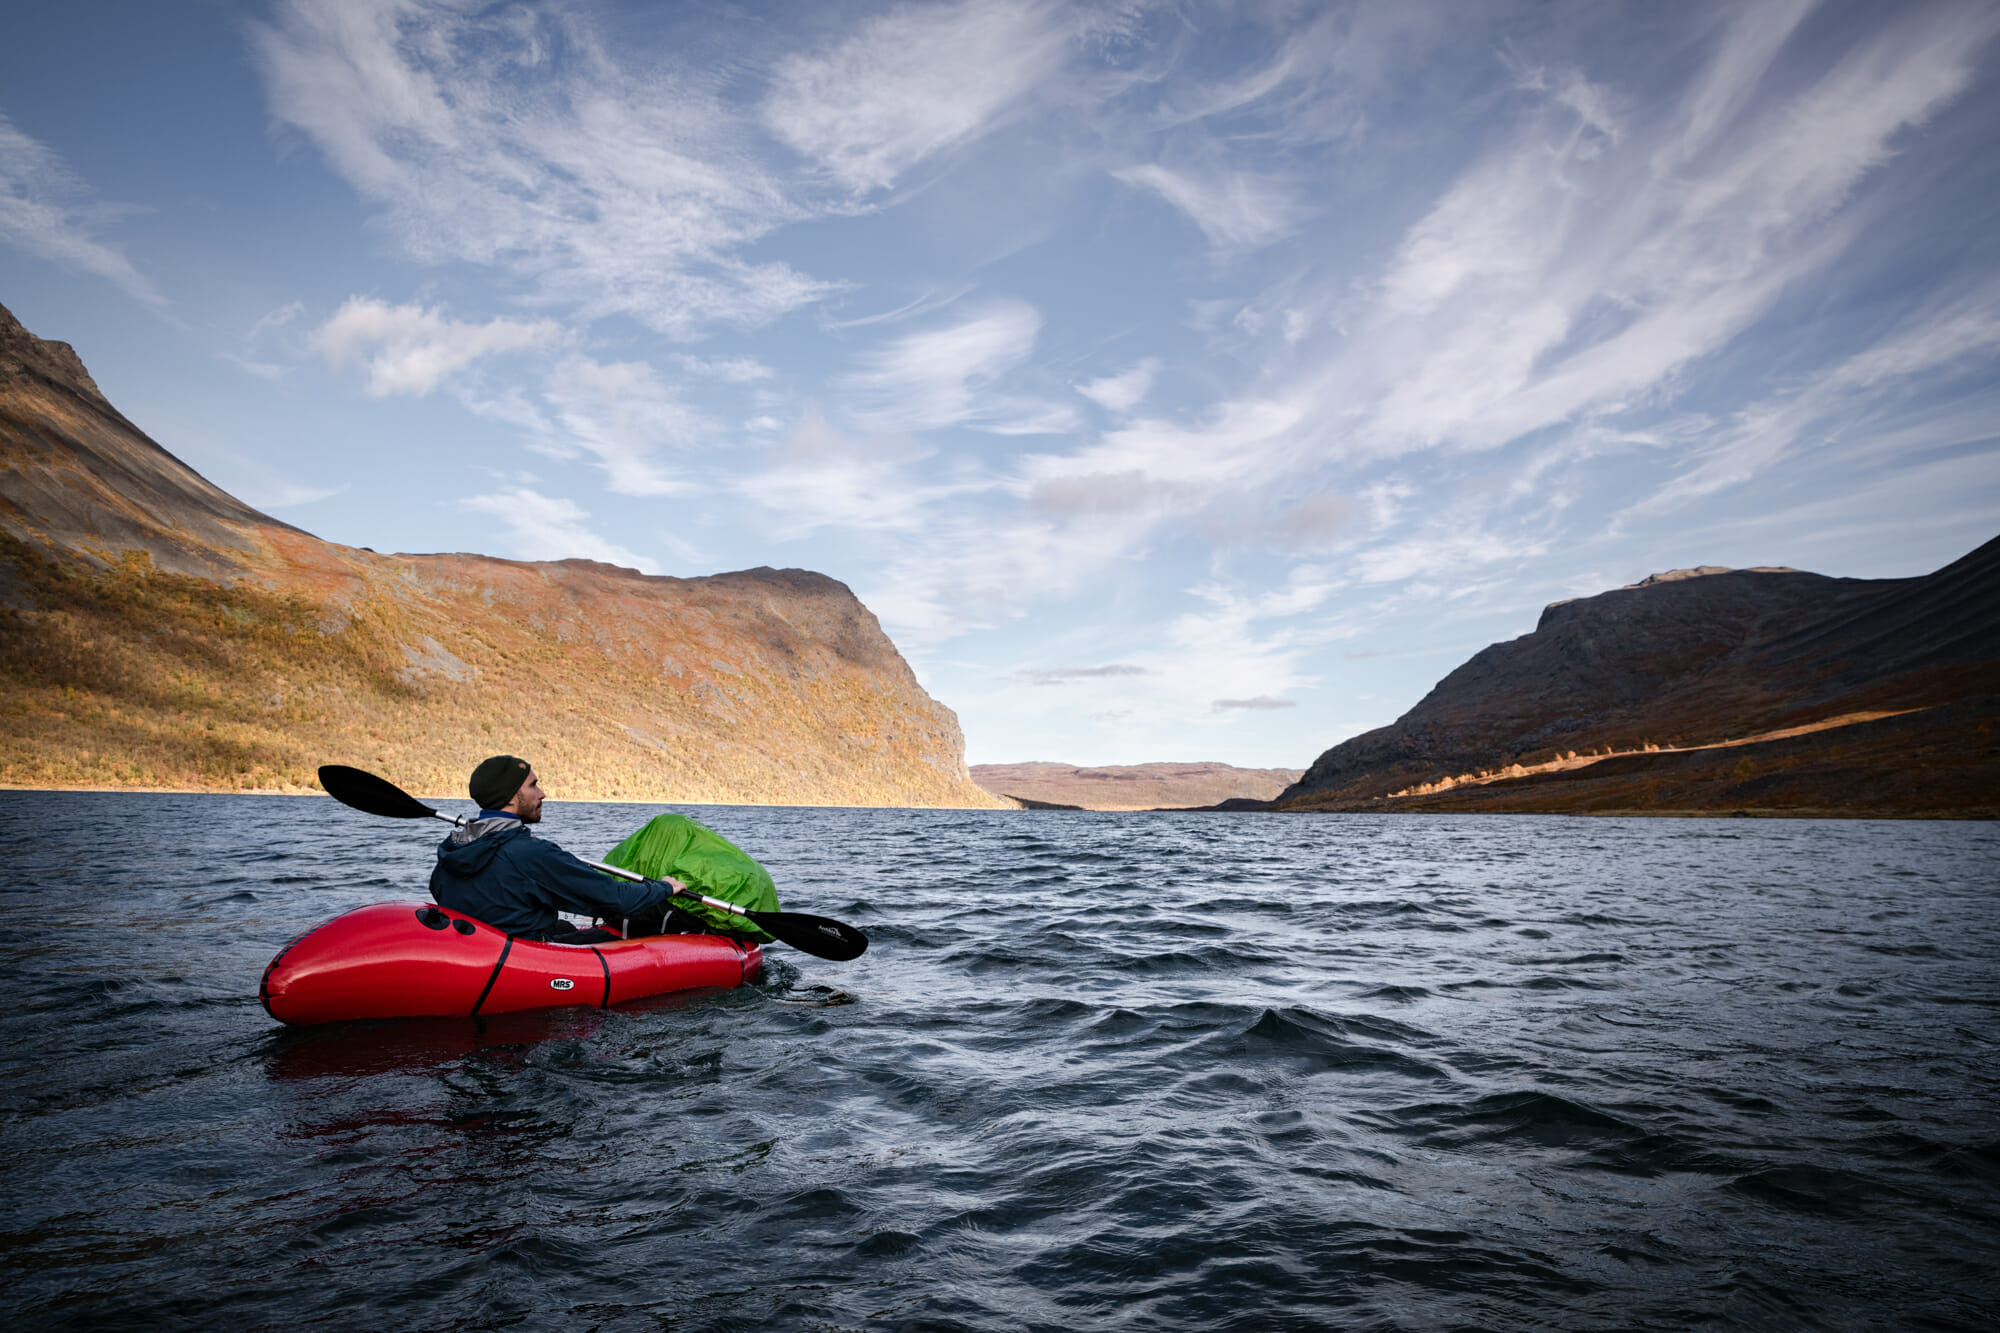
{"points": [[679, 888]]}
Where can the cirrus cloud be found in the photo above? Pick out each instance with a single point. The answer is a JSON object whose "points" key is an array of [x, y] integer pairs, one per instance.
{"points": [[48, 212], [525, 146], [911, 83], [412, 349], [943, 376], [547, 527]]}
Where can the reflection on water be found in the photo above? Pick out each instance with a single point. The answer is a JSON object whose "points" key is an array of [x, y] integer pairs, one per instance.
{"points": [[1139, 1071]]}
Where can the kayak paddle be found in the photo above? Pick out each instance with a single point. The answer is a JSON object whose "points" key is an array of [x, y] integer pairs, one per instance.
{"points": [[816, 935]]}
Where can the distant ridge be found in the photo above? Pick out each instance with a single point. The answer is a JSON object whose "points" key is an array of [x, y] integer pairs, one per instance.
{"points": [[1044, 785], [1709, 689], [157, 632]]}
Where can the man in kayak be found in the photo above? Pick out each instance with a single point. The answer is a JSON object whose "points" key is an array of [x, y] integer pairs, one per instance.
{"points": [[494, 870]]}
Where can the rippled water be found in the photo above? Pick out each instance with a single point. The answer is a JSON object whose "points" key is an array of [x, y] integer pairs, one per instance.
{"points": [[1097, 1071]]}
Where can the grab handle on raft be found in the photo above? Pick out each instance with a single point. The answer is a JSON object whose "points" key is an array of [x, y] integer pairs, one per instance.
{"points": [[819, 936]]}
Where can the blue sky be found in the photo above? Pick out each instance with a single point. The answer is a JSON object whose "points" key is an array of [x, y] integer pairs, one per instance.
{"points": [[1174, 381]]}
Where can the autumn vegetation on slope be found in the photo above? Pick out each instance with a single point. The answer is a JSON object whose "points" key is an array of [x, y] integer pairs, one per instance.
{"points": [[129, 676], [1764, 691], [157, 633]]}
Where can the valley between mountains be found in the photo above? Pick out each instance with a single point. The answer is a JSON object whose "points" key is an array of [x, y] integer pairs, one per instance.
{"points": [[158, 633]]}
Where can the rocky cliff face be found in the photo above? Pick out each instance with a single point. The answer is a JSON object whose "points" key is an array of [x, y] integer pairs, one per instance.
{"points": [[160, 633], [1720, 689], [83, 479]]}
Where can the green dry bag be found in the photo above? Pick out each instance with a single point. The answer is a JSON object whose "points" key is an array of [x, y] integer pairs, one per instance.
{"points": [[699, 857]]}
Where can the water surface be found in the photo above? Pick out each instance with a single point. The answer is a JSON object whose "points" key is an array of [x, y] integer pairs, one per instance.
{"points": [[1098, 1071]]}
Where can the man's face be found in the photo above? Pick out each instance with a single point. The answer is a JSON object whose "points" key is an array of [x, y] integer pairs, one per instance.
{"points": [[527, 802]]}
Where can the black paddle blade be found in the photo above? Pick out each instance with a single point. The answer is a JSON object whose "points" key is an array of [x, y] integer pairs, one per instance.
{"points": [[816, 935], [370, 794]]}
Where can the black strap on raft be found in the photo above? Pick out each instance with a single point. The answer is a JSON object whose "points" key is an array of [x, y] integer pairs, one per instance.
{"points": [[605, 1003], [504, 951]]}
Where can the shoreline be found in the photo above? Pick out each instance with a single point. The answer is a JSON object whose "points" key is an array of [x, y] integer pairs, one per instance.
{"points": [[567, 800], [1738, 812]]}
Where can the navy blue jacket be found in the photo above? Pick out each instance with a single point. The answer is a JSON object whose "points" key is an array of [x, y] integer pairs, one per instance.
{"points": [[505, 876]]}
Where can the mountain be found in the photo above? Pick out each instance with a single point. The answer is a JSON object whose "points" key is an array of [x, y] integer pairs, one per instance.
{"points": [[1131, 787], [1764, 690], [156, 632]]}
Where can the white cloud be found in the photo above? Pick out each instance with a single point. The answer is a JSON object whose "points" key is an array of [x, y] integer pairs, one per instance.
{"points": [[935, 378], [277, 319], [1313, 86], [1249, 441], [1235, 210], [912, 83], [523, 145], [1085, 512], [1226, 656], [1586, 263], [1840, 401], [731, 370], [542, 527], [263, 370], [47, 212], [622, 414], [972, 568], [1868, 511], [1124, 391], [825, 479], [408, 349], [273, 327], [1452, 545]]}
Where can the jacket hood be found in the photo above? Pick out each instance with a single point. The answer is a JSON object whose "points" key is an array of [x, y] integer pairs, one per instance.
{"points": [[469, 848]]}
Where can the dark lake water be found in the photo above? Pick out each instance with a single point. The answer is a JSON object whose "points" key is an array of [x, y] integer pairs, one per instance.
{"points": [[1097, 1071]]}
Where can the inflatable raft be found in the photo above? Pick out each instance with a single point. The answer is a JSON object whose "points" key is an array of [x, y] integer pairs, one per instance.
{"points": [[414, 960]]}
